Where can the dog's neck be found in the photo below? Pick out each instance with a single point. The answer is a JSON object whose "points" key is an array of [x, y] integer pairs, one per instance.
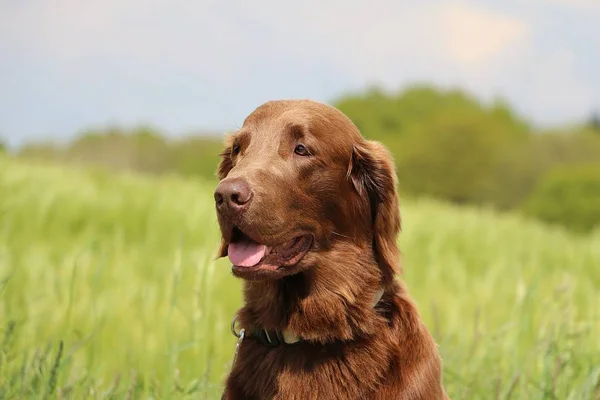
{"points": [[333, 300]]}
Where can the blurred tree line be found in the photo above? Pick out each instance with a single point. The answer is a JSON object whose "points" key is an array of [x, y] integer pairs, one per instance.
{"points": [[446, 143], [141, 149], [449, 145]]}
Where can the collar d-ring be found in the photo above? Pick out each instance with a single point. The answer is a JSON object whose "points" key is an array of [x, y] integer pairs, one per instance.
{"points": [[237, 335]]}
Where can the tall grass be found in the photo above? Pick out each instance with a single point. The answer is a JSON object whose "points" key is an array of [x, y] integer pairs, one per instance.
{"points": [[109, 289]]}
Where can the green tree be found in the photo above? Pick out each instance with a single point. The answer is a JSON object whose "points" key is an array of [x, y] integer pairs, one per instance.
{"points": [[520, 170], [393, 116], [452, 156], [445, 143], [196, 156], [569, 196], [141, 149]]}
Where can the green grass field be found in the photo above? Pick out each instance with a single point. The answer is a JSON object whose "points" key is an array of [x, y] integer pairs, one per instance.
{"points": [[109, 289]]}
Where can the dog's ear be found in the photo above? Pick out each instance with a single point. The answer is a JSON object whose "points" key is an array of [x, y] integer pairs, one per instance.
{"points": [[226, 163], [373, 175]]}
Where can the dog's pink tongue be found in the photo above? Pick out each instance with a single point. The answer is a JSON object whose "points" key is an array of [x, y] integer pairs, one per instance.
{"points": [[246, 254]]}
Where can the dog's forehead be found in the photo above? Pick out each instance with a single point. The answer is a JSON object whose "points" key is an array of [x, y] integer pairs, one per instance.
{"points": [[280, 117]]}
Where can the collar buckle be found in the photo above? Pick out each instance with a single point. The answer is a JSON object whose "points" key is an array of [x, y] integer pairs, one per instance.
{"points": [[270, 338]]}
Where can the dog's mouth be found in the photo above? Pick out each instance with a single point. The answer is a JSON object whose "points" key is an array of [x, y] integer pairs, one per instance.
{"points": [[248, 254]]}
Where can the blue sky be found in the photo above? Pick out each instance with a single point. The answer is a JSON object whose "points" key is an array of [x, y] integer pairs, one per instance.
{"points": [[187, 65]]}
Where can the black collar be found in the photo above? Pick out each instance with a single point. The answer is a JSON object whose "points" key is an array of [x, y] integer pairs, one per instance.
{"points": [[274, 338]]}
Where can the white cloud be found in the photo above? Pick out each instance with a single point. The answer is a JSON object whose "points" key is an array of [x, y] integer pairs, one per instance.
{"points": [[473, 37], [377, 40], [182, 62], [389, 41]]}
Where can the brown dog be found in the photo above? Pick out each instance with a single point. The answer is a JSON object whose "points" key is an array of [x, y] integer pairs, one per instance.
{"points": [[309, 217]]}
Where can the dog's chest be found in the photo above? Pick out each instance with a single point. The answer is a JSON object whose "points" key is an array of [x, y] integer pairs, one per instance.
{"points": [[302, 371]]}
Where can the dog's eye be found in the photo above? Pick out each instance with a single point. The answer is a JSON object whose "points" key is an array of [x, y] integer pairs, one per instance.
{"points": [[235, 150], [301, 150]]}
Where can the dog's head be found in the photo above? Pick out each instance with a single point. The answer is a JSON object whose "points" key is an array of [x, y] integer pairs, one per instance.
{"points": [[295, 179]]}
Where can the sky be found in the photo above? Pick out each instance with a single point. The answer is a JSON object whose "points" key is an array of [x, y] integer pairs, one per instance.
{"points": [[184, 66]]}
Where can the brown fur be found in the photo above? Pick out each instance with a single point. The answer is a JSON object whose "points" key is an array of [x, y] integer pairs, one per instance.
{"points": [[344, 195]]}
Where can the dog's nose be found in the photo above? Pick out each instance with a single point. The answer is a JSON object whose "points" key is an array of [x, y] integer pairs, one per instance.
{"points": [[233, 194]]}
